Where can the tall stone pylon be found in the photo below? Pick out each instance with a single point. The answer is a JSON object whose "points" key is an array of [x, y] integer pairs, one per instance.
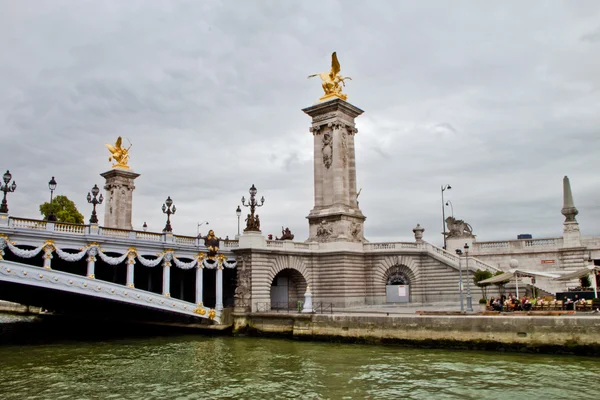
{"points": [[119, 198], [335, 216], [571, 233]]}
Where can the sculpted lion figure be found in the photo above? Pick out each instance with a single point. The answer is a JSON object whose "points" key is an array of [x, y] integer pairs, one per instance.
{"points": [[458, 228]]}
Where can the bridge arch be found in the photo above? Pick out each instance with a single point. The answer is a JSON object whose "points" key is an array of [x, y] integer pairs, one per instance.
{"points": [[288, 278]]}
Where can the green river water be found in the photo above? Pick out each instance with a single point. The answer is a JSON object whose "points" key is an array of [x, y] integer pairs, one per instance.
{"points": [[204, 367]]}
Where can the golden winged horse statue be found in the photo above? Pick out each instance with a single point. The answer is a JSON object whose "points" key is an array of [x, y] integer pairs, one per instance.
{"points": [[119, 154], [331, 81]]}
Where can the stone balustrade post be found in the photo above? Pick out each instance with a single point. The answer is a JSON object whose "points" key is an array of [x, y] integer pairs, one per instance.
{"points": [[219, 288], [199, 284]]}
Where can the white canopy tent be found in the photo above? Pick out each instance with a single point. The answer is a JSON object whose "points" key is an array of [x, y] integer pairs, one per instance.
{"points": [[590, 269], [515, 273]]}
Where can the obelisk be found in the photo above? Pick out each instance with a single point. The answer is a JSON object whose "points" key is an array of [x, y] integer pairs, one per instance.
{"points": [[571, 233]]}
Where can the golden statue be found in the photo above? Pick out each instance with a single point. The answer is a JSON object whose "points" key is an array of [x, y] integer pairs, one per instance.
{"points": [[331, 81], [119, 154]]}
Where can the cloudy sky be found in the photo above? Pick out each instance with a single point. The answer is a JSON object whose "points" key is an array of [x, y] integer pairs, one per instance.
{"points": [[498, 99]]}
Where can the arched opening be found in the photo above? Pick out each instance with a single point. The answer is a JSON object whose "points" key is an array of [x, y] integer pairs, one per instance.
{"points": [[397, 284], [287, 289]]}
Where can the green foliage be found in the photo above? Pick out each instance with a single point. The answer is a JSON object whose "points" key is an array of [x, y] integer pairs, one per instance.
{"points": [[481, 275], [64, 209], [483, 301], [585, 281]]}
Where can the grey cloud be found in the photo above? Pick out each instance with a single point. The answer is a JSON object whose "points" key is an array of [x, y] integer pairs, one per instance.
{"points": [[499, 100]]}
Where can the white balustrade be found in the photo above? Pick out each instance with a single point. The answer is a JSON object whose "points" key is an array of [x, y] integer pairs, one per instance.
{"points": [[189, 240], [70, 228], [27, 224], [117, 233], [275, 244], [149, 236]]}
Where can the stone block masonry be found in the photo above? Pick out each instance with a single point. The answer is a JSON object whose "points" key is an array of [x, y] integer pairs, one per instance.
{"points": [[562, 334]]}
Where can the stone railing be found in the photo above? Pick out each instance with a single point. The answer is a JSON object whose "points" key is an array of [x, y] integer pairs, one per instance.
{"points": [[508, 246], [70, 228], [231, 244], [391, 246], [275, 243], [189, 240], [116, 233], [89, 231], [149, 236], [27, 224]]}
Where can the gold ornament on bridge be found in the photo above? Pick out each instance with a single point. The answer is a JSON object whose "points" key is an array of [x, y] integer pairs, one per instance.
{"points": [[331, 81], [212, 314], [119, 154]]}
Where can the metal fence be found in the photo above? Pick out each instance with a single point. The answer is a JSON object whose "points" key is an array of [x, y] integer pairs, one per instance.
{"points": [[293, 307]]}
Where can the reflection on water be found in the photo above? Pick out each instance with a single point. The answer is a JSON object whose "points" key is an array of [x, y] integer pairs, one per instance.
{"points": [[197, 367]]}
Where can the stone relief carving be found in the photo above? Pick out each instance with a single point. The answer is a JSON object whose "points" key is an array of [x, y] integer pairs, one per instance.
{"points": [[457, 228], [344, 150], [355, 231], [327, 149], [324, 231], [315, 129], [242, 290], [323, 117], [571, 227]]}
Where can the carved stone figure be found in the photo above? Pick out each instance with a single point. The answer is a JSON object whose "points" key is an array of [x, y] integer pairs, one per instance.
{"points": [[457, 228], [242, 292], [324, 231], [331, 81], [119, 154], [327, 150], [286, 234], [355, 231]]}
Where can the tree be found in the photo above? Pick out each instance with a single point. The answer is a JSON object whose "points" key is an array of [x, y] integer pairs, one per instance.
{"points": [[479, 276], [585, 281], [64, 209]]}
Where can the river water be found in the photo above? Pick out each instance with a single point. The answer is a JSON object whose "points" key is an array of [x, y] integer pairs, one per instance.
{"points": [[203, 367]]}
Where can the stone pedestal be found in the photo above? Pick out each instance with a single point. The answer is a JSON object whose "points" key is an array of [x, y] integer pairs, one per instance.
{"points": [[252, 240], [335, 215], [119, 197]]}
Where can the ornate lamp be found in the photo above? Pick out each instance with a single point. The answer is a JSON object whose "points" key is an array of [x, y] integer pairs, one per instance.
{"points": [[168, 208], [252, 222], [6, 188], [92, 199], [52, 187]]}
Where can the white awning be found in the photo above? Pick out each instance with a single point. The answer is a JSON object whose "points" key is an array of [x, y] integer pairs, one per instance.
{"points": [[520, 272], [579, 273]]}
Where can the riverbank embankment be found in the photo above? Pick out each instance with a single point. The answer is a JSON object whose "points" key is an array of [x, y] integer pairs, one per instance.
{"points": [[576, 334]]}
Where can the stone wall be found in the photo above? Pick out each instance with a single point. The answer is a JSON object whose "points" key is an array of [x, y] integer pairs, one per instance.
{"points": [[536, 333]]}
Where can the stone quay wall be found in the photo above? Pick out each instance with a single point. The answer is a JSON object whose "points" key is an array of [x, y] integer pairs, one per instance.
{"points": [[552, 334]]}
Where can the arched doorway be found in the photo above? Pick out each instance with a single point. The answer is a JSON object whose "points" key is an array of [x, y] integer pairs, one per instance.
{"points": [[287, 289], [397, 284]]}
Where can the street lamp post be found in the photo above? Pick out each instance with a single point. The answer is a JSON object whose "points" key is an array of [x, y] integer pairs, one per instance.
{"points": [[92, 199], [6, 188], [444, 188], [253, 223], [460, 285], [199, 225], [449, 203], [168, 208], [238, 212], [469, 300], [145, 226], [52, 187]]}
